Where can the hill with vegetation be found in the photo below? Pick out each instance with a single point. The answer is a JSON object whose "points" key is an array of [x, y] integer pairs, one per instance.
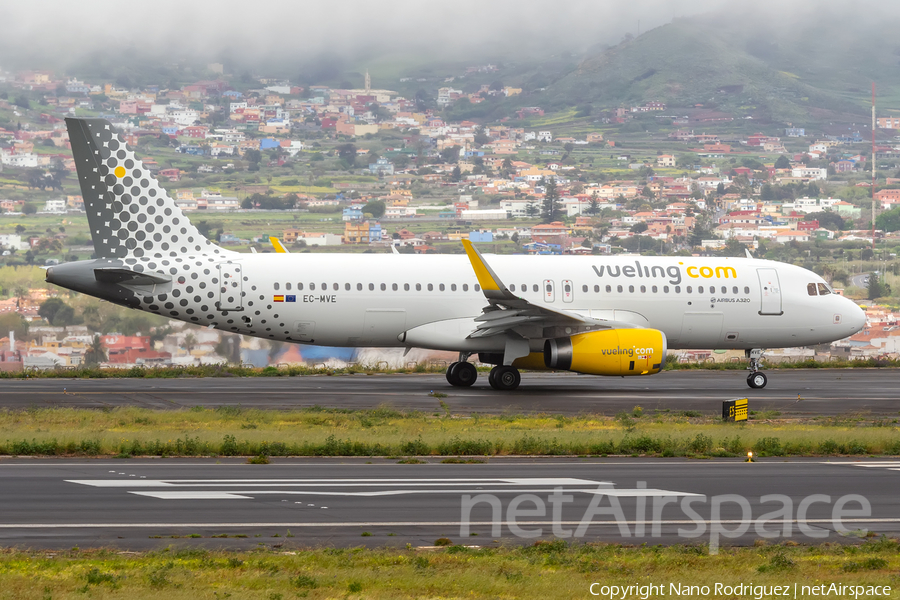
{"points": [[806, 70]]}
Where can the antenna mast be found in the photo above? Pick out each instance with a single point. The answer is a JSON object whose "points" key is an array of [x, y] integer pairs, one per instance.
{"points": [[874, 162]]}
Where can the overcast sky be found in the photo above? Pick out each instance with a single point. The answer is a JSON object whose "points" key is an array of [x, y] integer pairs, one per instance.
{"points": [[62, 29]]}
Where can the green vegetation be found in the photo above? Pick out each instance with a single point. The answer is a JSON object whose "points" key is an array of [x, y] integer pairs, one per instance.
{"points": [[546, 569], [236, 431]]}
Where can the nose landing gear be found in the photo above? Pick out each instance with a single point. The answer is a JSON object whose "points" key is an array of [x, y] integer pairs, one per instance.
{"points": [[756, 379]]}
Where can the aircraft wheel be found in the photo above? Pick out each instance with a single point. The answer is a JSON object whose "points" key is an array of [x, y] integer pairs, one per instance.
{"points": [[465, 374], [505, 378], [451, 376], [757, 380]]}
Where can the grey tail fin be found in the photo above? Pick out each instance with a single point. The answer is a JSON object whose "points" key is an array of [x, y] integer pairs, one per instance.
{"points": [[129, 213]]}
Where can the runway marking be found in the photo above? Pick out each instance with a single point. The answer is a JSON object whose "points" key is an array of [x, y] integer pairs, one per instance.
{"points": [[308, 524], [251, 488]]}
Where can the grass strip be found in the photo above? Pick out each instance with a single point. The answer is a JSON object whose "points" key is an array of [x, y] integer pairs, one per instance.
{"points": [[543, 570], [236, 431]]}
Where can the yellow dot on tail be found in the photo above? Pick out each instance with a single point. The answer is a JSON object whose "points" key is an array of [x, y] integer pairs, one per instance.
{"points": [[120, 172]]}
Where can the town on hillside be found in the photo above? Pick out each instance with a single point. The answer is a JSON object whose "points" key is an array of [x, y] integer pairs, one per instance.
{"points": [[360, 169]]}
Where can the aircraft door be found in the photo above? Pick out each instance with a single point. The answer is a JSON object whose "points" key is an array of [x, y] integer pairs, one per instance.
{"points": [[568, 290], [770, 291], [230, 287], [549, 291]]}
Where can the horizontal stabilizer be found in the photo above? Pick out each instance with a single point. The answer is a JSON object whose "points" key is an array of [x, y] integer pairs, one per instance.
{"points": [[129, 277]]}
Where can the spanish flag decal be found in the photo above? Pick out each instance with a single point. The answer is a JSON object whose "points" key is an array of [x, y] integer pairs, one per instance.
{"points": [[279, 298]]}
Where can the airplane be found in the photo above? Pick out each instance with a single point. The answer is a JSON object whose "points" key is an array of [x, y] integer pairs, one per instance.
{"points": [[610, 315]]}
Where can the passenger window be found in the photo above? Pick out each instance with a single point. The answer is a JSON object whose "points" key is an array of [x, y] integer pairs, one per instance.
{"points": [[383, 287], [477, 288], [324, 286], [536, 288], [584, 288], [405, 287], [465, 287], [347, 286], [549, 287], [394, 287], [665, 289], [312, 286], [418, 287], [608, 289], [359, 287], [619, 288], [596, 289], [654, 289], [700, 290], [630, 289], [452, 287], [441, 287], [430, 287], [678, 289], [277, 286], [746, 289], [512, 287], [568, 288], [823, 290], [734, 290], [335, 286], [643, 289], [287, 286], [300, 286], [371, 287], [687, 289]]}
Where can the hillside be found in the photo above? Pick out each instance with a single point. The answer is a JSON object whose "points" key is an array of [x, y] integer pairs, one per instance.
{"points": [[810, 72]]}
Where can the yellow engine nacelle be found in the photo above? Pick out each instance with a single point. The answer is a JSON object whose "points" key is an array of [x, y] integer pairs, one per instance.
{"points": [[609, 352]]}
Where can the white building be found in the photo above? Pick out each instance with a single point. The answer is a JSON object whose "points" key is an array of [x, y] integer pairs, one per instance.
{"points": [[492, 214], [55, 206], [545, 136], [809, 173], [26, 160]]}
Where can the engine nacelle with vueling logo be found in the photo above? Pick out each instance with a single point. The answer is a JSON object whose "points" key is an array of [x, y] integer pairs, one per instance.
{"points": [[609, 352]]}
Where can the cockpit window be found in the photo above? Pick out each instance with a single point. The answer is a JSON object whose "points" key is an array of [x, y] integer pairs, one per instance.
{"points": [[824, 289], [811, 289]]}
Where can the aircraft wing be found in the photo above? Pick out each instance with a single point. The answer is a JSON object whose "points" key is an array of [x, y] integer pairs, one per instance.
{"points": [[506, 311]]}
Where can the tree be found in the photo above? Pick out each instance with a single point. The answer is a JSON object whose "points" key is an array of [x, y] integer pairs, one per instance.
{"points": [[888, 220], [347, 152], [782, 162], [95, 353], [551, 210], [877, 288], [375, 207], [20, 229], [456, 174], [531, 209], [766, 193], [827, 219], [593, 207], [14, 322], [57, 313], [639, 227]]}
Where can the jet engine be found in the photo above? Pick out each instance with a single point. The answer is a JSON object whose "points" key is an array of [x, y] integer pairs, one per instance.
{"points": [[608, 352]]}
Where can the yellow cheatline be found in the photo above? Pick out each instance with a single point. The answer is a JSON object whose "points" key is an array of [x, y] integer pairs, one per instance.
{"points": [[481, 271], [120, 172], [279, 247]]}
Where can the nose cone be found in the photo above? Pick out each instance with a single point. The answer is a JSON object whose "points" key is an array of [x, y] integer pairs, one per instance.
{"points": [[854, 316]]}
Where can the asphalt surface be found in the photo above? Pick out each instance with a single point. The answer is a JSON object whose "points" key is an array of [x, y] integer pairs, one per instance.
{"points": [[150, 503], [803, 392]]}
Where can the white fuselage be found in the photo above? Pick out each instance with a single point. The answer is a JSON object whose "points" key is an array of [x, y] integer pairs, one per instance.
{"points": [[371, 300]]}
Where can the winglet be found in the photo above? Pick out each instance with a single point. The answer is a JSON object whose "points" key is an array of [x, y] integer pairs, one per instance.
{"points": [[487, 279], [279, 247]]}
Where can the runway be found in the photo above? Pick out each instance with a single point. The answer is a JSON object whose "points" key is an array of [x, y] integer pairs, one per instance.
{"points": [[149, 503], [801, 392]]}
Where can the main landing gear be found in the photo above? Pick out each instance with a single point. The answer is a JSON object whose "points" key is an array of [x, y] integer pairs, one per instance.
{"points": [[504, 378], [463, 374], [756, 379]]}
